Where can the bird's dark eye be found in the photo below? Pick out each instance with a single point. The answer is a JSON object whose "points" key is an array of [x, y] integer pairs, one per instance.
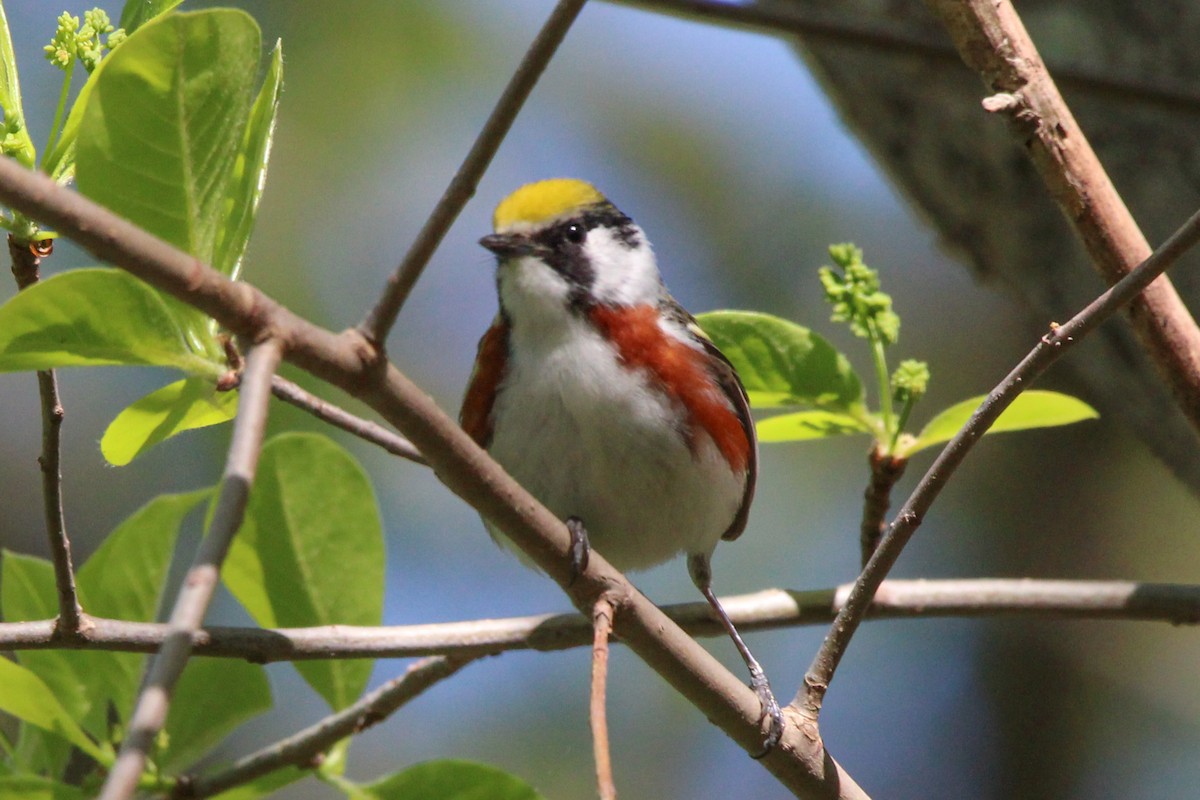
{"points": [[575, 233]]}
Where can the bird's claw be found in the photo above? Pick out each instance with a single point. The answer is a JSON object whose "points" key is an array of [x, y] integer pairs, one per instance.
{"points": [[770, 711]]}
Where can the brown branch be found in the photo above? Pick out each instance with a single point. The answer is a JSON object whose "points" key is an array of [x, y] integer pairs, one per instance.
{"points": [[992, 40], [885, 471], [26, 269], [349, 361], [305, 748], [602, 620], [770, 609], [364, 429], [191, 604], [1049, 349], [462, 187]]}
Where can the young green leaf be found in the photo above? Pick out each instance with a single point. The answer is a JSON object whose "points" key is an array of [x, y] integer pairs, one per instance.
{"points": [[310, 551], [451, 780], [250, 171], [25, 696], [137, 13], [1032, 409], [202, 716], [783, 364], [181, 406], [89, 317], [14, 137], [164, 124], [815, 424], [35, 787]]}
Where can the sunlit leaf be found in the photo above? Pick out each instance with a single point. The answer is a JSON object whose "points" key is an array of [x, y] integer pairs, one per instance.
{"points": [[451, 780], [310, 552], [783, 364], [10, 93], [164, 124], [816, 424], [1032, 409], [93, 317], [250, 171], [181, 406], [26, 697]]}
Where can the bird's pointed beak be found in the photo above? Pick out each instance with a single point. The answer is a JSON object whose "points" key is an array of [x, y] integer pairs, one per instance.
{"points": [[508, 245]]}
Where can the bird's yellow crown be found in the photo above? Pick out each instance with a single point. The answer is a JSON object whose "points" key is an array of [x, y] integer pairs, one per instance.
{"points": [[535, 203]]}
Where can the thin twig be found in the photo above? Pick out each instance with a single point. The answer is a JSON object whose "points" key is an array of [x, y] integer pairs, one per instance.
{"points": [[462, 187], [26, 268], [992, 40], [191, 604], [1049, 349], [304, 748], [849, 30], [350, 362], [602, 621], [337, 416], [770, 609]]}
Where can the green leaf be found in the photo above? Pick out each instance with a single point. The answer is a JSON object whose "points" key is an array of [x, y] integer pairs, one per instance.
{"points": [[96, 317], [27, 592], [266, 785], [783, 364], [181, 406], [123, 579], [28, 698], [310, 552], [451, 780], [1031, 409], [138, 12], [250, 171], [202, 715], [164, 124], [35, 787], [10, 98], [802, 425]]}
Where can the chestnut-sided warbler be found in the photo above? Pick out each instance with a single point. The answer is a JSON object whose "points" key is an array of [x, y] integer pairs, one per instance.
{"points": [[602, 397]]}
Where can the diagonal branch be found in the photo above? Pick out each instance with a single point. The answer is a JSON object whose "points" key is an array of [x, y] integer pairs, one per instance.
{"points": [[1049, 349], [26, 263], [992, 40], [462, 187], [305, 747], [150, 712]]}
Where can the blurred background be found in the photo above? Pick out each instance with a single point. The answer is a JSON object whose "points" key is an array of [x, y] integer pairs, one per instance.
{"points": [[724, 148]]}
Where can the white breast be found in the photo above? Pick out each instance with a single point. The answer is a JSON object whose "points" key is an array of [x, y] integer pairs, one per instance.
{"points": [[591, 439]]}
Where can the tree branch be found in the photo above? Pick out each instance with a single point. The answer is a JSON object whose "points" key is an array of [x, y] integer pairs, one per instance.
{"points": [[150, 712], [1049, 349], [462, 187], [364, 429], [770, 609], [992, 40], [26, 269], [304, 748]]}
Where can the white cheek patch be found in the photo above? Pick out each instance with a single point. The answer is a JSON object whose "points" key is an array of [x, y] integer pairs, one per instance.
{"points": [[624, 275]]}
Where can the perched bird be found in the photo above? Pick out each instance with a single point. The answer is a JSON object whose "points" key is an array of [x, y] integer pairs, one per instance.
{"points": [[603, 398]]}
